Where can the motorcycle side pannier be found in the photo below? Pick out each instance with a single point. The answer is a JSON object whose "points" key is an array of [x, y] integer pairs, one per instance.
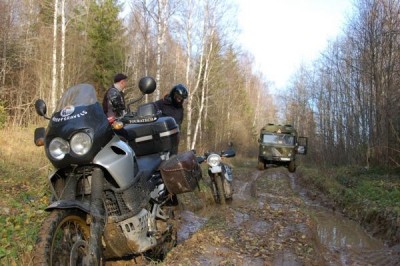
{"points": [[181, 173], [158, 136]]}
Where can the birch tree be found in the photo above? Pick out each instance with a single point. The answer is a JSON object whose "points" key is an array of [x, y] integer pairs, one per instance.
{"points": [[63, 32], [53, 98]]}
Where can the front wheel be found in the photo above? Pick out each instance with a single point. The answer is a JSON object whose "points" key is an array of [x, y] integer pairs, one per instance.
{"points": [[220, 189], [62, 239]]}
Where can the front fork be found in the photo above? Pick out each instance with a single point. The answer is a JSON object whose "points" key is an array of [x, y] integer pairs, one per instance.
{"points": [[97, 219]]}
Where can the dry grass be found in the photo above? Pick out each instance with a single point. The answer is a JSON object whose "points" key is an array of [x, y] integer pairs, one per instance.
{"points": [[19, 155], [23, 184]]}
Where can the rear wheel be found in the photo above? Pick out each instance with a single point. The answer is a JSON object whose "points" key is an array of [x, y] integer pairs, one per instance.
{"points": [[62, 239]]}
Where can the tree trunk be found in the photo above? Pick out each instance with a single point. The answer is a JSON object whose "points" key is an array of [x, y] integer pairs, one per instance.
{"points": [[54, 61]]}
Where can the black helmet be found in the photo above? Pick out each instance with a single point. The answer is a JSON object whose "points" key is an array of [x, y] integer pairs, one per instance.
{"points": [[179, 89], [178, 94]]}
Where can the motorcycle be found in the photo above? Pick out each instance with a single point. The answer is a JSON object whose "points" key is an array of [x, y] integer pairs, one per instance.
{"points": [[220, 174], [114, 185]]}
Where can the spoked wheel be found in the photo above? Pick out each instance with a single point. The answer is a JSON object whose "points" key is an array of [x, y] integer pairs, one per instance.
{"points": [[214, 191], [62, 239], [220, 189]]}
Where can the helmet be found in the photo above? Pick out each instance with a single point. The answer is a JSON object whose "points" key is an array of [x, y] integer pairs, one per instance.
{"points": [[179, 89], [178, 94]]}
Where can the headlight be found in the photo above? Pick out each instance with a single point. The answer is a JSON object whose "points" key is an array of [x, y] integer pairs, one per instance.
{"points": [[58, 148], [213, 160], [81, 143]]}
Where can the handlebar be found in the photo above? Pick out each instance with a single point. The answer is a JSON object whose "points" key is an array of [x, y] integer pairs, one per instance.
{"points": [[227, 154]]}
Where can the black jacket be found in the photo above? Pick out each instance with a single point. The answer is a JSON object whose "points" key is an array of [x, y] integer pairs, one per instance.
{"points": [[114, 102], [168, 109]]}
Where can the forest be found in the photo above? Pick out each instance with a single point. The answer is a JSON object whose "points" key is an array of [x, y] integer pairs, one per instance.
{"points": [[346, 102]]}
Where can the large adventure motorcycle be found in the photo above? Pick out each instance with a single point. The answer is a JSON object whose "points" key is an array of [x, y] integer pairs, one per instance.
{"points": [[220, 174], [113, 195]]}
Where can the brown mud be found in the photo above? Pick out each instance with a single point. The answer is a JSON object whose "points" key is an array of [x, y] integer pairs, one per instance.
{"points": [[270, 221]]}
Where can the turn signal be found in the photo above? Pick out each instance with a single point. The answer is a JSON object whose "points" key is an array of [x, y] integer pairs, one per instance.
{"points": [[117, 125], [39, 142]]}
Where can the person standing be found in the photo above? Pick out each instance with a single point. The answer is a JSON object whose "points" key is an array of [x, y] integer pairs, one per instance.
{"points": [[114, 99], [172, 105]]}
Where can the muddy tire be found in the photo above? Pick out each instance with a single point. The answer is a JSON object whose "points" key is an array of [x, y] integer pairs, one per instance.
{"points": [[62, 233], [220, 189], [292, 167], [261, 165]]}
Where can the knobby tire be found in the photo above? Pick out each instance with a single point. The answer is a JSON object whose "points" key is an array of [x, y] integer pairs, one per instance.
{"points": [[57, 235]]}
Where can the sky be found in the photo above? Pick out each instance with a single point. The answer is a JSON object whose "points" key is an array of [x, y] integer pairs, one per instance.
{"points": [[283, 34]]}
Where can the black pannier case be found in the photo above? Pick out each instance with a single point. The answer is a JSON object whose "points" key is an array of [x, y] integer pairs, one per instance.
{"points": [[153, 137]]}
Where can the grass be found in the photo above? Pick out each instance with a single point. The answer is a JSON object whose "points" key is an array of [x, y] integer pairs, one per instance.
{"points": [[23, 174], [371, 197]]}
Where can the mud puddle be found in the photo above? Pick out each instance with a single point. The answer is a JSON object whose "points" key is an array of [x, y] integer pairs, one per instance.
{"points": [[271, 222], [344, 240]]}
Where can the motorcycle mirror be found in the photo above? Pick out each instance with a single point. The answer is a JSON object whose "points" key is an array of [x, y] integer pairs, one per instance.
{"points": [[147, 85], [40, 107]]}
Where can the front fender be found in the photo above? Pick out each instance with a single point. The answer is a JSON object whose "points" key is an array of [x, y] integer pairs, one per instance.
{"points": [[215, 169], [69, 204]]}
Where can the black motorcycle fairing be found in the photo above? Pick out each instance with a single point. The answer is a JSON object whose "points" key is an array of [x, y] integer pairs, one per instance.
{"points": [[78, 111]]}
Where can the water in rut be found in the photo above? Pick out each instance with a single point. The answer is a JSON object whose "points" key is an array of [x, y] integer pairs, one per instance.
{"points": [[272, 222]]}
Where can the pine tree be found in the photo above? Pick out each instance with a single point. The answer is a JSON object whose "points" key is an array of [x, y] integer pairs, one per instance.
{"points": [[106, 41]]}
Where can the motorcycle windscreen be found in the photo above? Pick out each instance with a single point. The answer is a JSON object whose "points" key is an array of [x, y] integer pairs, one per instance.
{"points": [[78, 95], [78, 112]]}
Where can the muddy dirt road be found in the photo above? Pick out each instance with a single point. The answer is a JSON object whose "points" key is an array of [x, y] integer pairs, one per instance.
{"points": [[271, 222]]}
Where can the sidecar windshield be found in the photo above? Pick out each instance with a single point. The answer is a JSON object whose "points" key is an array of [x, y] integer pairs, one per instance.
{"points": [[78, 95]]}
